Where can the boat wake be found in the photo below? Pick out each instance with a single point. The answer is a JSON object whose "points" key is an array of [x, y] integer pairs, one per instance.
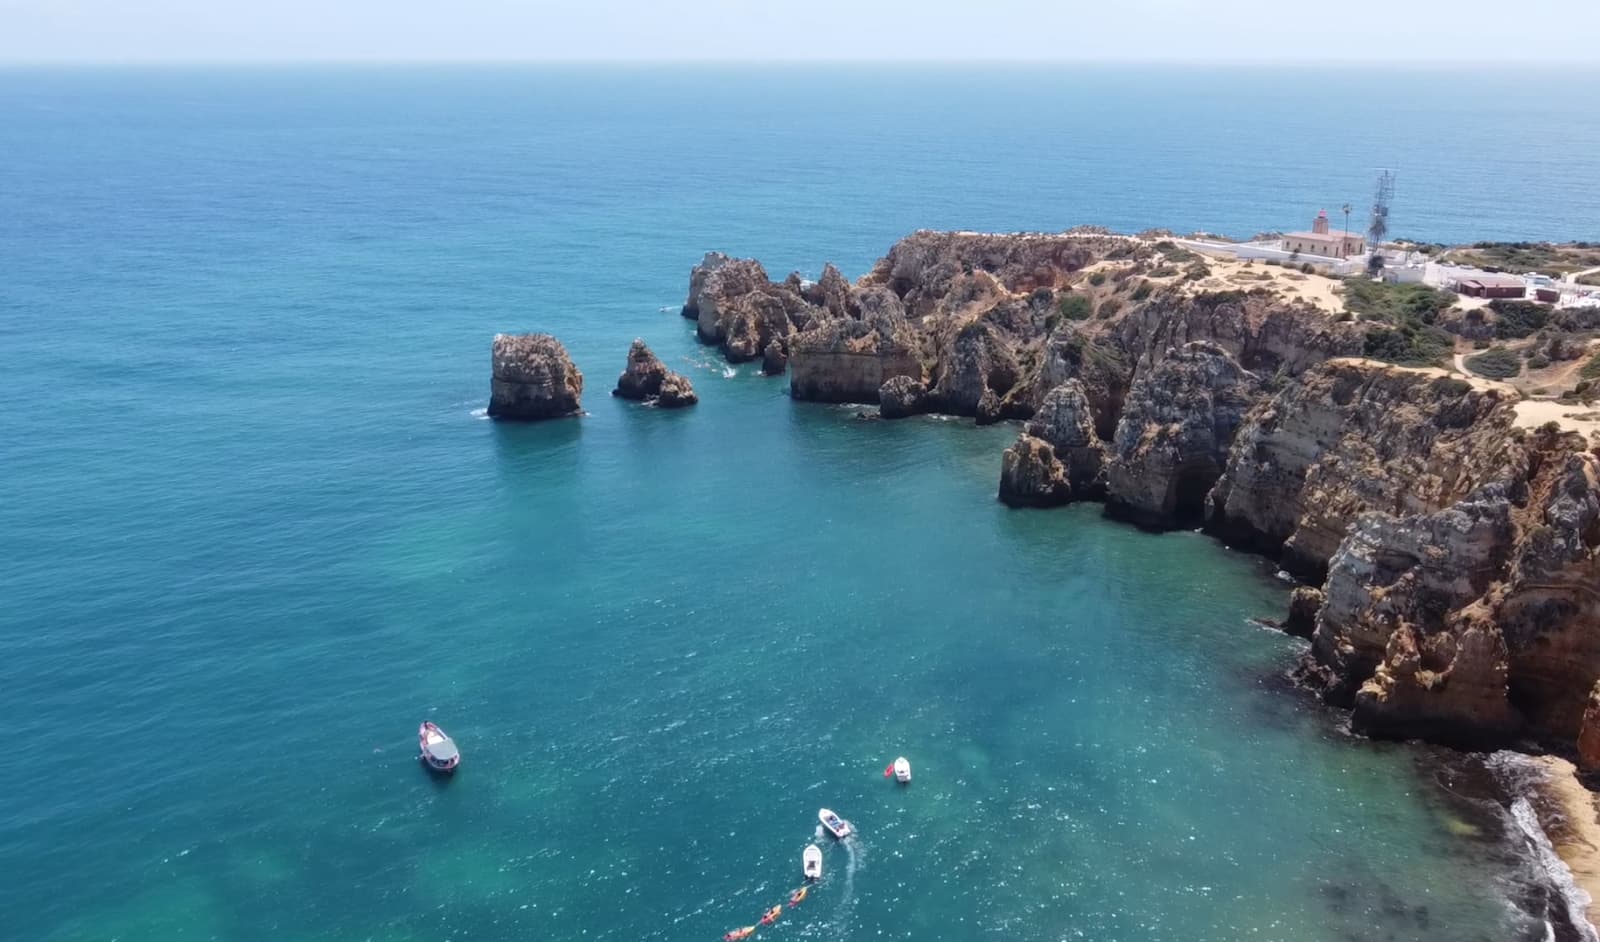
{"points": [[847, 899]]}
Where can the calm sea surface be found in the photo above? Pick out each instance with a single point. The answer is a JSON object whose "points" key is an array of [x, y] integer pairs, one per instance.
{"points": [[254, 528]]}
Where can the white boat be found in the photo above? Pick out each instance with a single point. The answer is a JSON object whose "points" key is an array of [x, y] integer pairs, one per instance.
{"points": [[811, 862], [439, 751], [902, 770], [836, 825]]}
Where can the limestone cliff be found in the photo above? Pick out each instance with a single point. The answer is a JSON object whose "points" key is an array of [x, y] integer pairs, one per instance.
{"points": [[848, 360], [532, 378], [1172, 440], [1353, 436]]}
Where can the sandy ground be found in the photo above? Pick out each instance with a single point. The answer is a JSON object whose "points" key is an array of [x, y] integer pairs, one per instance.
{"points": [[1578, 844], [1317, 289], [1532, 413]]}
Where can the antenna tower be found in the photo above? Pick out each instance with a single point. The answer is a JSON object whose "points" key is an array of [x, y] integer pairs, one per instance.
{"points": [[1378, 228]]}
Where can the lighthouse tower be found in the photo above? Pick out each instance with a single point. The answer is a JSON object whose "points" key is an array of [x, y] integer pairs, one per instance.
{"points": [[1319, 225]]}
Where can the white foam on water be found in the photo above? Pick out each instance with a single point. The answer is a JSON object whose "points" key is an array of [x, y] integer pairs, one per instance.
{"points": [[847, 900], [482, 412], [1555, 870]]}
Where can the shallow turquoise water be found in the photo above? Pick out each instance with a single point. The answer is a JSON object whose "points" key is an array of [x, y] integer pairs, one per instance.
{"points": [[255, 529]]}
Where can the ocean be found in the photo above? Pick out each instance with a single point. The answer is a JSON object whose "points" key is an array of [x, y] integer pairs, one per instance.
{"points": [[256, 526]]}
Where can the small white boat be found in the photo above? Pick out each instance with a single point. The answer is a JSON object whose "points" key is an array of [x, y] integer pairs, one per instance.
{"points": [[902, 770], [811, 862], [439, 751], [836, 825]]}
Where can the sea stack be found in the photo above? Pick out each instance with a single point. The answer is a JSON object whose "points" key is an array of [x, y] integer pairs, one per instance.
{"points": [[646, 379], [533, 378]]}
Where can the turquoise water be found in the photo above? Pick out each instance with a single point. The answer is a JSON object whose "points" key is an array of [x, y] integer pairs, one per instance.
{"points": [[255, 527]]}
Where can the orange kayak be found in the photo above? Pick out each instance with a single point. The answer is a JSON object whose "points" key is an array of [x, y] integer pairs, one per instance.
{"points": [[772, 915], [798, 896]]}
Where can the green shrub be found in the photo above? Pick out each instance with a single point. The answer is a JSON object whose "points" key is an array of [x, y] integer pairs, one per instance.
{"points": [[1495, 363], [1142, 291], [1591, 370], [1412, 345], [1174, 252], [1395, 303], [1076, 307], [1518, 319], [1163, 271], [1538, 361], [1097, 279], [1308, 268], [1108, 308], [1197, 270]]}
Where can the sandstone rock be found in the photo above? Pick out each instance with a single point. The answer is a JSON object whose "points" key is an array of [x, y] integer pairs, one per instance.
{"points": [[1589, 733], [1414, 570], [1448, 687], [774, 359], [921, 267], [900, 397], [1030, 475], [676, 392], [697, 281], [1172, 441], [1351, 436], [642, 377], [1066, 420], [850, 360], [988, 411], [977, 359], [533, 378], [1264, 333], [1304, 603], [647, 379]]}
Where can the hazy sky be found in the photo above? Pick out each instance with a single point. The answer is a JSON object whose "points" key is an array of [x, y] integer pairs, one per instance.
{"points": [[1190, 30]]}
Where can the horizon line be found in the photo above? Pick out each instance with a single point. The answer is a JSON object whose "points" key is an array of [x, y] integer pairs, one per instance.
{"points": [[1408, 65]]}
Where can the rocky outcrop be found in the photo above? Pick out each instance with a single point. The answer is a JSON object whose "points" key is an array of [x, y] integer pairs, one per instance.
{"points": [[901, 397], [1304, 604], [774, 359], [922, 267], [1066, 420], [1264, 333], [1030, 475], [1353, 436], [1172, 440], [847, 360], [647, 379], [1589, 732], [533, 378], [738, 308], [976, 361]]}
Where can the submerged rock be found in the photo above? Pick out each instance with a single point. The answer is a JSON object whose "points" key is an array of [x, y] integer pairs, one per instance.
{"points": [[533, 378], [647, 379]]}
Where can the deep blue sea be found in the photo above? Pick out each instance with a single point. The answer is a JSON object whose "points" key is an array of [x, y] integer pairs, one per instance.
{"points": [[254, 527]]}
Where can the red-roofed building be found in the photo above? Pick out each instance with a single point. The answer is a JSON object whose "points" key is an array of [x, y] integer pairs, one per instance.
{"points": [[1319, 241]]}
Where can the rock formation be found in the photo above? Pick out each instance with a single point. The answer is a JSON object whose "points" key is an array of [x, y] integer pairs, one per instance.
{"points": [[1453, 558], [1352, 436], [1030, 475], [533, 378], [1066, 421], [647, 379], [902, 396], [1173, 438]]}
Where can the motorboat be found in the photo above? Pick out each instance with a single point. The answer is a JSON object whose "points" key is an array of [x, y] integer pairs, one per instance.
{"points": [[902, 770], [811, 862], [439, 751], [836, 825]]}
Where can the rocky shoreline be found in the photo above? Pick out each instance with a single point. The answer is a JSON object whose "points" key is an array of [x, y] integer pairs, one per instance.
{"points": [[1448, 555]]}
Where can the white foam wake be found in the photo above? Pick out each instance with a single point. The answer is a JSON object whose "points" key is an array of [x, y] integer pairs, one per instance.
{"points": [[1573, 898]]}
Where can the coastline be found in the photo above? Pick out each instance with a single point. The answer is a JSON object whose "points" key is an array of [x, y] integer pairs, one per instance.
{"points": [[1572, 824]]}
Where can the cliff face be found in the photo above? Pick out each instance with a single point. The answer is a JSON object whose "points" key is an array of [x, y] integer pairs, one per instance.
{"points": [[849, 359], [1353, 436], [1172, 440], [532, 378], [1453, 556]]}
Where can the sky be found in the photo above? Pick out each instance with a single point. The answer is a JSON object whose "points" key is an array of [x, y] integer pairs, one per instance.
{"points": [[1287, 31]]}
